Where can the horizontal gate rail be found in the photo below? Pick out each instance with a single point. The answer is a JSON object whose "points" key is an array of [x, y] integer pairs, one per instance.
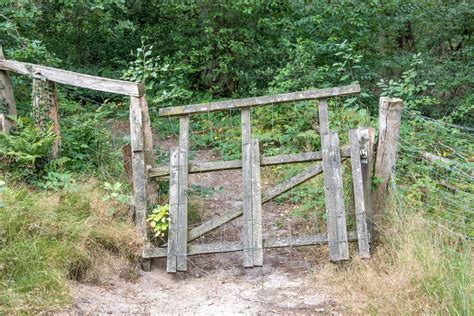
{"points": [[210, 166], [258, 101], [234, 246]]}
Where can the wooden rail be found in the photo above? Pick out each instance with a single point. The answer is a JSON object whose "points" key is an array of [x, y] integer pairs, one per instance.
{"points": [[74, 78], [257, 101], [209, 166], [199, 249]]}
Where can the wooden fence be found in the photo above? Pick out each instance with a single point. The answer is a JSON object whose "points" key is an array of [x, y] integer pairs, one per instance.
{"points": [[360, 150]]}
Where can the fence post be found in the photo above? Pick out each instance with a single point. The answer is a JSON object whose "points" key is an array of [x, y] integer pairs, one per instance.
{"points": [[7, 98], [390, 110], [45, 107]]}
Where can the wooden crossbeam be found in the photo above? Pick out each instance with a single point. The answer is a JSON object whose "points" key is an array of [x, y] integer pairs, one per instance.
{"points": [[258, 101], [210, 166], [74, 78], [199, 249]]}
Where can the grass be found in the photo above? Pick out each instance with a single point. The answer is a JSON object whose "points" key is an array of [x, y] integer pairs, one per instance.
{"points": [[49, 238], [418, 267]]}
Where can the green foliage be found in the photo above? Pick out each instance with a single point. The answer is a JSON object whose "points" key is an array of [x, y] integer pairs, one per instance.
{"points": [[159, 220]]}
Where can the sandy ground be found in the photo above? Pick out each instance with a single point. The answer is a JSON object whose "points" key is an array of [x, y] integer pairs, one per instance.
{"points": [[292, 281]]}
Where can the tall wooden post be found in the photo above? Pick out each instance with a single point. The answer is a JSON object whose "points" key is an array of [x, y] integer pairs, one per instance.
{"points": [[45, 108], [390, 110], [7, 98]]}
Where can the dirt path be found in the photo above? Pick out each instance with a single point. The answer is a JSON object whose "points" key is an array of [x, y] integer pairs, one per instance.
{"points": [[291, 280]]}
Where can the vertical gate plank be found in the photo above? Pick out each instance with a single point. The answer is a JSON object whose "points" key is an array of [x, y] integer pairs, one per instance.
{"points": [[256, 205], [367, 140], [138, 167], [247, 235], [323, 117], [333, 191], [183, 193], [172, 251], [359, 201]]}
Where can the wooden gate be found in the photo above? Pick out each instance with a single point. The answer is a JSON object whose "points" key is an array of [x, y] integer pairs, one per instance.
{"points": [[179, 244]]}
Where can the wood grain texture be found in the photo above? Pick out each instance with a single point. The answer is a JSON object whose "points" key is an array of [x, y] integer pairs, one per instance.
{"points": [[210, 166], [198, 249], [247, 226], [323, 116], [333, 192], [390, 111], [258, 101], [74, 78], [256, 204], [138, 168], [358, 186], [173, 228], [6, 89], [183, 193]]}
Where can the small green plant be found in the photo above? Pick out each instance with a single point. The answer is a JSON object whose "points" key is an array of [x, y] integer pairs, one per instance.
{"points": [[159, 220], [115, 192], [56, 181]]}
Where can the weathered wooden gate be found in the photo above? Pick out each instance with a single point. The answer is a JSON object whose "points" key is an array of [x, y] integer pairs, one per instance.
{"points": [[179, 244]]}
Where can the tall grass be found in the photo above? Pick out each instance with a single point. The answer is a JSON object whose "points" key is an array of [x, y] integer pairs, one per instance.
{"points": [[418, 267], [49, 238]]}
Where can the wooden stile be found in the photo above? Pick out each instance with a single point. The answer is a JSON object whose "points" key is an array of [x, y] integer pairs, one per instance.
{"points": [[358, 187], [323, 117], [256, 205], [247, 234], [333, 192], [367, 140]]}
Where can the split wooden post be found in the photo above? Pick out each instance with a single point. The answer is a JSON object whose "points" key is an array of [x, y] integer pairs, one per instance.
{"points": [[390, 110], [178, 195], [256, 204], [7, 98], [45, 107], [172, 252], [181, 264], [247, 234], [355, 138], [138, 166], [333, 192]]}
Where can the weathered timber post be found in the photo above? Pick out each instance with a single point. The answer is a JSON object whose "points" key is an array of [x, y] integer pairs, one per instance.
{"points": [[367, 141], [45, 108], [141, 143], [7, 98], [138, 166], [390, 110]]}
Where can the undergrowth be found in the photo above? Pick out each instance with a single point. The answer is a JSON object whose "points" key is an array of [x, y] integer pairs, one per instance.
{"points": [[418, 268], [48, 238]]}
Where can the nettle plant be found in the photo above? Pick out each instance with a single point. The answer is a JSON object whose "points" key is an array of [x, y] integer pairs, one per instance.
{"points": [[159, 220]]}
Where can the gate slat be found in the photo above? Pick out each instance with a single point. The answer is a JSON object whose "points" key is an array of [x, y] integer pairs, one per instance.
{"points": [[359, 201], [247, 234], [181, 260], [256, 205], [173, 212], [333, 191]]}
